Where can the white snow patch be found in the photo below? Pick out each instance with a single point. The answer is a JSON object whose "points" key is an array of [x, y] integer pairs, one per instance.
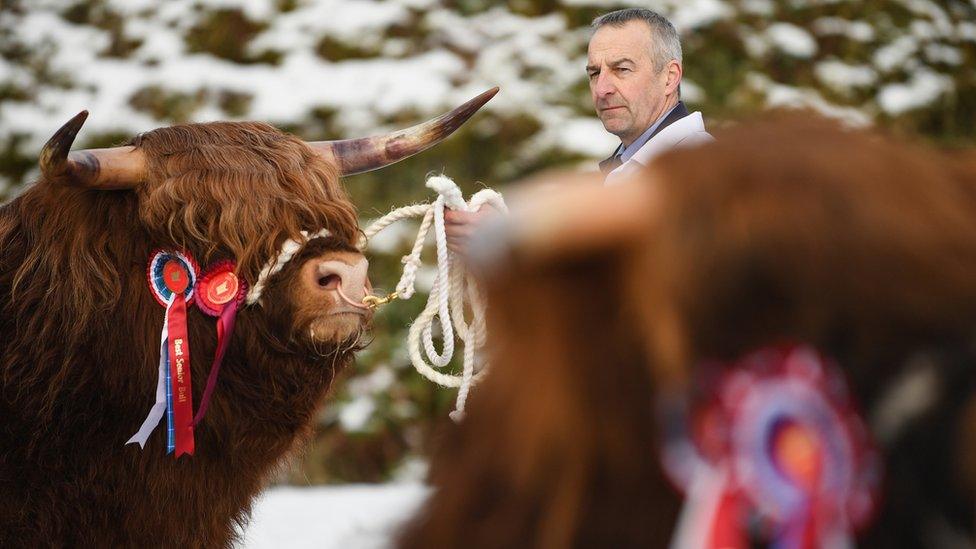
{"points": [[941, 53], [356, 413], [362, 90], [758, 7], [411, 469], [73, 44], [419, 4], [357, 21], [584, 136], [926, 8], [799, 4], [377, 381], [924, 88], [688, 15], [790, 97], [692, 92], [454, 30], [923, 30], [393, 238], [333, 517], [426, 275], [896, 54], [684, 14], [858, 31], [131, 7], [792, 40], [966, 31], [843, 77], [587, 3], [757, 45]]}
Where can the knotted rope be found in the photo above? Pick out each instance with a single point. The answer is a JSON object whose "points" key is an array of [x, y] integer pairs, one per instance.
{"points": [[288, 249], [453, 293]]}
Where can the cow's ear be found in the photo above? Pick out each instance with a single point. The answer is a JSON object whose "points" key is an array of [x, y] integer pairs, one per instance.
{"points": [[570, 214], [104, 169]]}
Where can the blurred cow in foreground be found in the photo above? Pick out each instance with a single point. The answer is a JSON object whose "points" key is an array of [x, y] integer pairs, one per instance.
{"points": [[80, 330], [608, 304]]}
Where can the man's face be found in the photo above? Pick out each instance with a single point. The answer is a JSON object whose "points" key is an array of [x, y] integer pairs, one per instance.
{"points": [[628, 93]]}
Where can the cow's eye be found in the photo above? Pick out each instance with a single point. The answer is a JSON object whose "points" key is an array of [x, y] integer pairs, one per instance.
{"points": [[329, 282]]}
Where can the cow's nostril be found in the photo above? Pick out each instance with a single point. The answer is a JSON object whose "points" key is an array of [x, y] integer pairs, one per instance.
{"points": [[341, 277], [329, 282]]}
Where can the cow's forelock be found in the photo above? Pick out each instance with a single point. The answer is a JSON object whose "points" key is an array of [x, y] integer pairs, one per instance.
{"points": [[239, 189]]}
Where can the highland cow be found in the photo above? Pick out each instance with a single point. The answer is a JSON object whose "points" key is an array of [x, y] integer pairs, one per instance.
{"points": [[80, 330], [787, 231]]}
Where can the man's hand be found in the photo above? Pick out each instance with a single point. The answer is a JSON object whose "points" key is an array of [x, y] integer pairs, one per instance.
{"points": [[459, 226]]}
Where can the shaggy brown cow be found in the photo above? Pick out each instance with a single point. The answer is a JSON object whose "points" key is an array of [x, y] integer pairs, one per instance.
{"points": [[80, 330], [797, 231]]}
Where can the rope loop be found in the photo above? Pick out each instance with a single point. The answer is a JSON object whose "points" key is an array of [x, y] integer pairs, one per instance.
{"points": [[453, 293]]}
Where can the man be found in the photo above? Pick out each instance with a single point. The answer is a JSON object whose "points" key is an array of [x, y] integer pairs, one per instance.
{"points": [[634, 67]]}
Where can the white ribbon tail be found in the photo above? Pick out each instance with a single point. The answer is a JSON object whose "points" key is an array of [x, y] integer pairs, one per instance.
{"points": [[159, 407], [697, 518]]}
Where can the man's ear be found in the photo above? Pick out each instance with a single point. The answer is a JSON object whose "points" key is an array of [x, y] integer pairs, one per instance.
{"points": [[674, 72]]}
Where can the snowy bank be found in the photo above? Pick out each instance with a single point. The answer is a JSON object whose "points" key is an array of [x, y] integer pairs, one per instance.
{"points": [[359, 516]]}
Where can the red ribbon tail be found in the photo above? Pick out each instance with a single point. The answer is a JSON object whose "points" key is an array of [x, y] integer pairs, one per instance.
{"points": [[179, 359], [727, 530], [225, 328]]}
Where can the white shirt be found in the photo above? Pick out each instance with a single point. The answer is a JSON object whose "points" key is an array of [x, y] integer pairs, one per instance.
{"points": [[687, 132]]}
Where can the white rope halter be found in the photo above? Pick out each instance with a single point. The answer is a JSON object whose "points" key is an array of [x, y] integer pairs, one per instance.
{"points": [[453, 291], [288, 250]]}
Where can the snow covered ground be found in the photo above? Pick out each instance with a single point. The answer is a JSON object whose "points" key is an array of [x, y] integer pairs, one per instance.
{"points": [[357, 516]]}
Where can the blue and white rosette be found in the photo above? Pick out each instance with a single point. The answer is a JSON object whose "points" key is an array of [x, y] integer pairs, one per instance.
{"points": [[162, 263]]}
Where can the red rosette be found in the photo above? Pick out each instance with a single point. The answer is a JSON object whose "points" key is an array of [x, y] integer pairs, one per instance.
{"points": [[219, 286], [220, 293], [777, 431]]}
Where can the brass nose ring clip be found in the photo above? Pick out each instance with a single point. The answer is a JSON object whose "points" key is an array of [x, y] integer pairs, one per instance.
{"points": [[374, 302]]}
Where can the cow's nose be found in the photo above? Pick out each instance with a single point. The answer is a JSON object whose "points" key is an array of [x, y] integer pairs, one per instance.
{"points": [[346, 277]]}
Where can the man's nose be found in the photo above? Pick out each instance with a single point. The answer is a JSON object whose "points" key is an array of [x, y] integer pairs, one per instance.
{"points": [[604, 84]]}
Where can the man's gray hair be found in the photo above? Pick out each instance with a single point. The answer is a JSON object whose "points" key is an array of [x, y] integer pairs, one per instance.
{"points": [[664, 38]]}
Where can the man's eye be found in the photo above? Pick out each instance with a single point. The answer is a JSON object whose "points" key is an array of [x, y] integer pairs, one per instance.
{"points": [[622, 69], [594, 74]]}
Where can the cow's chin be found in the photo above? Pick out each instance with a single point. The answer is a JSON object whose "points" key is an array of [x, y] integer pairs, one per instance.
{"points": [[339, 330]]}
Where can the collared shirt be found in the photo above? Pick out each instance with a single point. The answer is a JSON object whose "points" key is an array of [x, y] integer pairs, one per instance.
{"points": [[629, 151], [623, 154]]}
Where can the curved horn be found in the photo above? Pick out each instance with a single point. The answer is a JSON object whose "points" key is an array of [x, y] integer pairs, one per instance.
{"points": [[108, 169], [354, 156]]}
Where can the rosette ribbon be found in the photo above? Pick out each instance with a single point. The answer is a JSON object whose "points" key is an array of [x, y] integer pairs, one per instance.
{"points": [[772, 450], [220, 294], [172, 277]]}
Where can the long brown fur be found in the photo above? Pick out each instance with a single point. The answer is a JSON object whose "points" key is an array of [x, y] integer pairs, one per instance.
{"points": [[558, 448], [783, 231], [79, 340]]}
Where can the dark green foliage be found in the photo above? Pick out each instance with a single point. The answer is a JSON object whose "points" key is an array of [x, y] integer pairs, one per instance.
{"points": [[16, 165], [95, 13], [234, 103], [337, 50], [167, 105], [225, 34]]}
